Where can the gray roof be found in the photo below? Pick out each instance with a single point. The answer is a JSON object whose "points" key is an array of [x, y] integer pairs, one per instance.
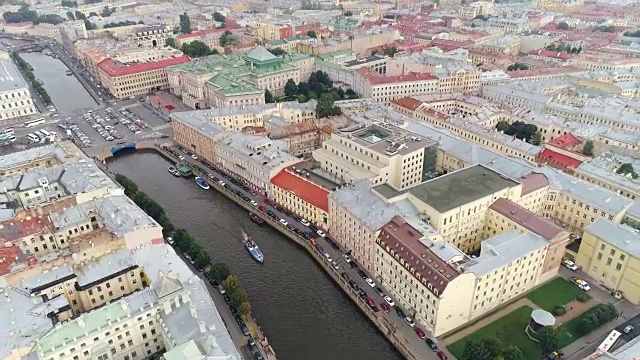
{"points": [[272, 152], [261, 54], [35, 153], [10, 77], [623, 237], [199, 121], [46, 277], [605, 165], [106, 265], [503, 249]]}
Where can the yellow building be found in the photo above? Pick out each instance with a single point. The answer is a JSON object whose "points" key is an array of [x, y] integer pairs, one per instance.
{"points": [[610, 254], [128, 78], [193, 131], [294, 189]]}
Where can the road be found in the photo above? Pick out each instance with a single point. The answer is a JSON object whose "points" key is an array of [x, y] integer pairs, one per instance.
{"points": [[400, 325]]}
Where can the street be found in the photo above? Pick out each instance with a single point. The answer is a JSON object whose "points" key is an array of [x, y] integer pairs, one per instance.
{"points": [[399, 324]]}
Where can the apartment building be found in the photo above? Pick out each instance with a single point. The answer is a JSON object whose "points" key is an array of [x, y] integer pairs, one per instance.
{"points": [[510, 25], [382, 88], [508, 45], [151, 36], [127, 77], [193, 131], [256, 159], [505, 215], [609, 254], [601, 171], [441, 287], [211, 37], [299, 189], [15, 98], [238, 79], [380, 154]]}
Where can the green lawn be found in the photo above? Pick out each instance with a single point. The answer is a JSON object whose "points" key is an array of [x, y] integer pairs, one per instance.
{"points": [[509, 330], [566, 332], [556, 292]]}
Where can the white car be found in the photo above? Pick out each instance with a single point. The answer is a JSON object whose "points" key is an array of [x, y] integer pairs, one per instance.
{"points": [[284, 222], [194, 157], [569, 265], [409, 321], [328, 257], [304, 222], [180, 157], [388, 300], [370, 282], [254, 203], [221, 182], [347, 258], [335, 265], [321, 233]]}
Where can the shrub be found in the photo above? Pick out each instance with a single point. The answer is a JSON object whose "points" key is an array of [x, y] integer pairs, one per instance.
{"points": [[583, 297], [559, 310]]}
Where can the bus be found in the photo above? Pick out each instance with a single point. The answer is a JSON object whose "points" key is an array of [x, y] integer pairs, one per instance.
{"points": [[608, 343], [41, 134], [33, 138], [34, 123], [7, 136], [45, 132]]}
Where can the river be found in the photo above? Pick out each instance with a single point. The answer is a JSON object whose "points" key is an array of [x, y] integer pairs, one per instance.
{"points": [[66, 92], [303, 313]]}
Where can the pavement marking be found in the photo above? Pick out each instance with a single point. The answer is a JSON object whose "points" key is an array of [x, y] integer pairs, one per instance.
{"points": [[161, 127]]}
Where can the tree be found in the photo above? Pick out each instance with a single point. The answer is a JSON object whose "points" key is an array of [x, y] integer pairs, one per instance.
{"points": [[512, 353], [502, 126], [268, 97], [290, 89], [219, 272], [68, 3], [536, 139], [218, 17], [70, 15], [562, 25], [389, 51], [277, 51], [625, 169], [517, 66], [89, 25], [80, 16], [228, 39], [245, 309], [106, 12], [476, 350], [185, 23], [326, 107], [196, 49], [587, 148], [548, 339], [312, 34], [348, 13], [171, 42], [93, 13]]}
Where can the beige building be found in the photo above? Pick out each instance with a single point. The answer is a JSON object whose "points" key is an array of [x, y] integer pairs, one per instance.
{"points": [[609, 254], [151, 36], [210, 37], [138, 74], [15, 98], [193, 131], [383, 88], [507, 45], [382, 155]]}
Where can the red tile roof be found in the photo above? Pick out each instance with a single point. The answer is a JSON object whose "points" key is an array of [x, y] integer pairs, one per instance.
{"points": [[302, 188], [403, 240], [565, 142], [376, 79], [560, 160], [408, 103], [114, 69], [201, 33], [527, 219], [13, 255], [533, 182]]}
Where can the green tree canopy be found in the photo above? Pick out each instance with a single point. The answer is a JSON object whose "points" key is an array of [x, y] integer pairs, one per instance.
{"points": [[171, 42], [348, 13], [312, 34], [268, 97], [196, 49], [563, 25], [69, 3], [70, 15], [228, 38], [277, 51], [485, 349], [80, 16], [219, 271], [218, 17], [107, 11], [548, 339], [512, 353], [587, 148], [185, 23]]}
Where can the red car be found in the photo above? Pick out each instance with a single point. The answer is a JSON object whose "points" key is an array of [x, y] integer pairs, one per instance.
{"points": [[385, 307], [262, 208], [421, 333], [266, 201], [442, 355], [371, 303]]}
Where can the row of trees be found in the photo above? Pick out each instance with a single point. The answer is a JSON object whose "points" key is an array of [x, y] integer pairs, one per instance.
{"points": [[605, 28], [594, 318], [490, 349], [122, 23], [186, 243], [69, 3], [517, 66], [277, 51], [196, 49], [24, 14], [564, 48], [521, 130], [320, 88], [635, 33], [28, 74], [77, 15]]}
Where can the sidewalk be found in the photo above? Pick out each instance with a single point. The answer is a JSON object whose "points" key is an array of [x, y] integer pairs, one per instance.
{"points": [[488, 320]]}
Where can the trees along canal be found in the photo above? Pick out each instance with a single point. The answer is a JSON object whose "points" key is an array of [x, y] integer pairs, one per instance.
{"points": [[186, 243]]}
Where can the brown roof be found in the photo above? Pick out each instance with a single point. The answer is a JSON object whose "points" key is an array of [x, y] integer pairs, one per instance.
{"points": [[408, 103], [525, 218], [403, 243], [533, 182]]}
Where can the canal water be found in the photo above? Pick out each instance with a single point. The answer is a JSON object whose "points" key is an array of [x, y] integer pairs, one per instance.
{"points": [[301, 311], [66, 92]]}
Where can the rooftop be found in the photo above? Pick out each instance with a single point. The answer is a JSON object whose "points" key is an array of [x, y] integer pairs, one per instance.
{"points": [[502, 250], [116, 69], [10, 77], [527, 219], [303, 188], [461, 187], [265, 152], [198, 121], [388, 140], [623, 237], [403, 240]]}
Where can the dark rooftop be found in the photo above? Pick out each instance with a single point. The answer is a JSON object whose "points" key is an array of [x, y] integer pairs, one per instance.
{"points": [[461, 187], [527, 219], [403, 241]]}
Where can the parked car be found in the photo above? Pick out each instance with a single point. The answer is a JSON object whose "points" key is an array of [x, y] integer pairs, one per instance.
{"points": [[569, 265], [442, 355], [432, 344]]}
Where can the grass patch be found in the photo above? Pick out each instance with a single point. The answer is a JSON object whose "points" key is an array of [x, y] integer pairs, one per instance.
{"points": [[567, 332], [509, 329], [556, 292]]}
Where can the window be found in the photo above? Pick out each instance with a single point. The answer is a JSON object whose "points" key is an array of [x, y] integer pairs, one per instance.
{"points": [[599, 256], [619, 266]]}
